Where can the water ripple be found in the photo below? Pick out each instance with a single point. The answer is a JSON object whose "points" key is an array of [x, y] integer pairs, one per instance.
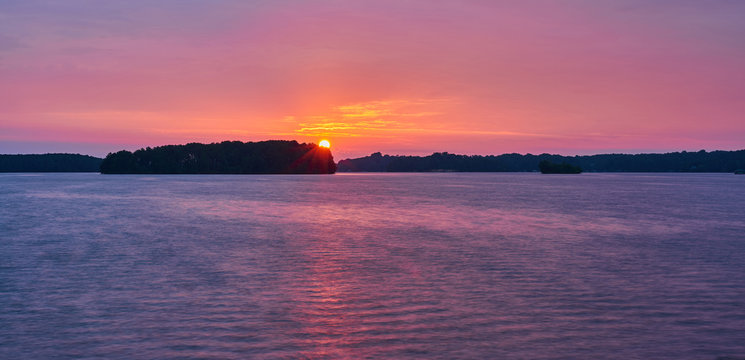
{"points": [[436, 266]]}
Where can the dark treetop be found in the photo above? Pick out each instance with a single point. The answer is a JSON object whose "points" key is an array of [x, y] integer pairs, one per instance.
{"points": [[548, 167], [701, 161], [49, 163], [227, 157]]}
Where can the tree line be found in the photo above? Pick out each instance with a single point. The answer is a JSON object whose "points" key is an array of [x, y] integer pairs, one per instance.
{"points": [[49, 163], [700, 161], [227, 157], [291, 157]]}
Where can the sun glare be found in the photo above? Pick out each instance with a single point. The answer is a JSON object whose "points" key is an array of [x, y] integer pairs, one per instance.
{"points": [[324, 143]]}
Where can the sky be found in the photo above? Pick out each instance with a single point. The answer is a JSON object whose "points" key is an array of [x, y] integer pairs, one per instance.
{"points": [[395, 76]]}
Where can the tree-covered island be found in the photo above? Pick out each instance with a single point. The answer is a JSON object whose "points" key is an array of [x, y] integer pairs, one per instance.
{"points": [[227, 157]]}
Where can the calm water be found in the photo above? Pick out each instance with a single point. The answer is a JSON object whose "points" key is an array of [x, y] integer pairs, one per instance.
{"points": [[523, 266]]}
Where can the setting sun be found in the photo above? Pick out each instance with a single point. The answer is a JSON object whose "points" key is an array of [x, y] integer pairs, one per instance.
{"points": [[324, 143]]}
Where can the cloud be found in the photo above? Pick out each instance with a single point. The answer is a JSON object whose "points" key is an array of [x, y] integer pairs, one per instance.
{"points": [[391, 118], [388, 108], [370, 118]]}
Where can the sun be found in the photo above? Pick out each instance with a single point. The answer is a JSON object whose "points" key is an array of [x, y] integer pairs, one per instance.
{"points": [[324, 143]]}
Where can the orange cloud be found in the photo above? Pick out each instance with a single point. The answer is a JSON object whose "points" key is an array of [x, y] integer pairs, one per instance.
{"points": [[390, 118], [372, 117]]}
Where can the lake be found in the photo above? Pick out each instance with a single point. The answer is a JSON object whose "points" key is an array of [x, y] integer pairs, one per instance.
{"points": [[435, 266]]}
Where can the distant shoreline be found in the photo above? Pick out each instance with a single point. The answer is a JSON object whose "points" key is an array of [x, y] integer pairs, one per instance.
{"points": [[691, 162], [45, 163], [676, 162]]}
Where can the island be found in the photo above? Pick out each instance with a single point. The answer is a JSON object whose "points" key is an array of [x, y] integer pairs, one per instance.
{"points": [[227, 157]]}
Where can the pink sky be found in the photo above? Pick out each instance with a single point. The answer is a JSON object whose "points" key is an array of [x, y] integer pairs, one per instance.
{"points": [[400, 77]]}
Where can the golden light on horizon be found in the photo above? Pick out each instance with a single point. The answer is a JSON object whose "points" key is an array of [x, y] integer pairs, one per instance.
{"points": [[324, 143]]}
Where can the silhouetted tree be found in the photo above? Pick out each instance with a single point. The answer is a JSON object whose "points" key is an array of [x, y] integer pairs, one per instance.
{"points": [[227, 157], [701, 161], [547, 167], [49, 163]]}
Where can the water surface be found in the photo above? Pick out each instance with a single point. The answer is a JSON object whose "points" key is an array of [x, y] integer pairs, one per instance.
{"points": [[472, 266]]}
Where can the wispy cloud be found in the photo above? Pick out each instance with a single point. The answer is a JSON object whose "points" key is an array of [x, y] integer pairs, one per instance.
{"points": [[389, 108], [371, 118], [390, 118]]}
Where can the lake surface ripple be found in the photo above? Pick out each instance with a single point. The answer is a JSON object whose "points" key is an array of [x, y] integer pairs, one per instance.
{"points": [[435, 266]]}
